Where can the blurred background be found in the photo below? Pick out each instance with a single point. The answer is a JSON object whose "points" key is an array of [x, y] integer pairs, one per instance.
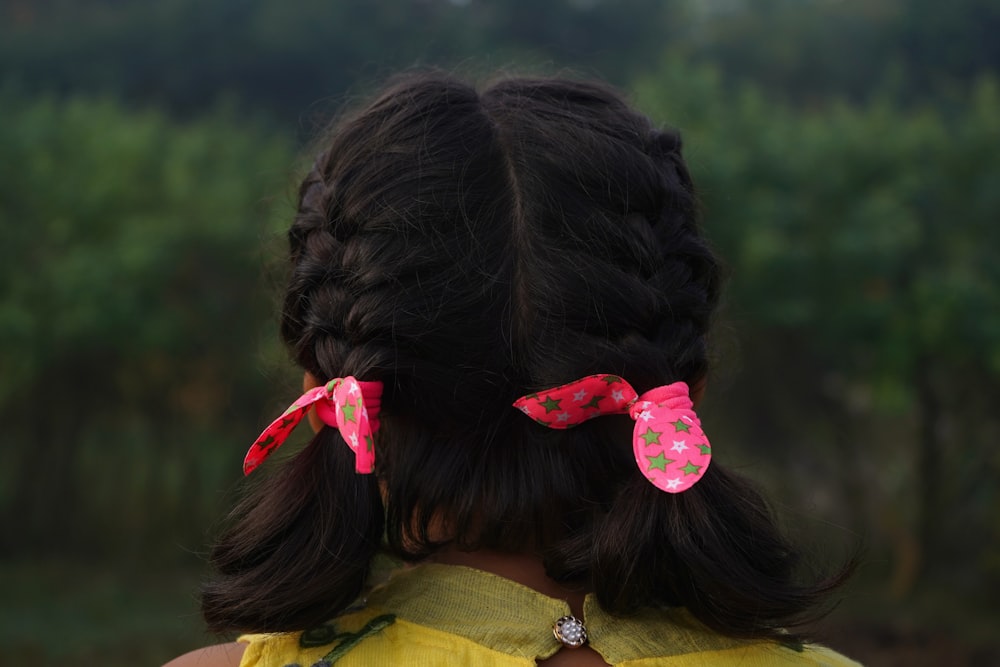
{"points": [[848, 155]]}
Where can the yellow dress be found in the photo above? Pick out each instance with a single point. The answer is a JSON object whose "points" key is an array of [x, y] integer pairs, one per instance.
{"points": [[450, 615]]}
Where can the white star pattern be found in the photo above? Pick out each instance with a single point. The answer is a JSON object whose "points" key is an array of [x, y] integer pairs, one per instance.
{"points": [[618, 396], [679, 446], [525, 409], [562, 417], [353, 389], [645, 415], [354, 439], [673, 483], [579, 396]]}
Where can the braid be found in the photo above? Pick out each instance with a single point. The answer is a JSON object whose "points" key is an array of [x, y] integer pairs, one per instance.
{"points": [[627, 275], [689, 279], [322, 289]]}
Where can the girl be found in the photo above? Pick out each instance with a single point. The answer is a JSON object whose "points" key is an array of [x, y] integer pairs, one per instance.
{"points": [[501, 305]]}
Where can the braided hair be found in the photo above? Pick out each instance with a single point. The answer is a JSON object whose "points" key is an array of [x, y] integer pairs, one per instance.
{"points": [[465, 249]]}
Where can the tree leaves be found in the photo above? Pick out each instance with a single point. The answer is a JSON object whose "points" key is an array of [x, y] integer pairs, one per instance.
{"points": [[129, 243]]}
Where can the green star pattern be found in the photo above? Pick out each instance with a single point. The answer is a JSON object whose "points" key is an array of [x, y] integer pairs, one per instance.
{"points": [[611, 379], [658, 462], [651, 437], [705, 449], [690, 468], [681, 426], [550, 404], [348, 410], [593, 403]]}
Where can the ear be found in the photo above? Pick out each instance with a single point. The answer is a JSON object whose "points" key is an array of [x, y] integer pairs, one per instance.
{"points": [[309, 381]]}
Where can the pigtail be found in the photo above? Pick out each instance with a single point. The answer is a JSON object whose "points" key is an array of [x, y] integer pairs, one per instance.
{"points": [[383, 276], [642, 310], [299, 546], [714, 549]]}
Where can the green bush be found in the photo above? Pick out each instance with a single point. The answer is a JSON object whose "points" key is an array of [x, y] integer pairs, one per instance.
{"points": [[132, 319]]}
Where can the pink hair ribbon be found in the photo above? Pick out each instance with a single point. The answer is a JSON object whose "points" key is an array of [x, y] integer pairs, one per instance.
{"points": [[344, 403], [670, 448]]}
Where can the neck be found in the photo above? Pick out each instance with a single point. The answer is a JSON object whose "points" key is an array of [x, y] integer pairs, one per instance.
{"points": [[525, 569]]}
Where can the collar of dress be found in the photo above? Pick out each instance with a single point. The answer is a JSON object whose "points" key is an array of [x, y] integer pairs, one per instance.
{"points": [[504, 615]]}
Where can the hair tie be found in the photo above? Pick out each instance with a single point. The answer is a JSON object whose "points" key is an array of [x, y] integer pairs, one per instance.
{"points": [[344, 403], [670, 448]]}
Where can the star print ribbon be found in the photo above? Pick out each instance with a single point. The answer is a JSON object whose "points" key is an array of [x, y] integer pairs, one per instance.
{"points": [[344, 403], [670, 448]]}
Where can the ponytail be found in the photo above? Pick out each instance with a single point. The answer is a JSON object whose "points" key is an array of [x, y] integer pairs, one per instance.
{"points": [[714, 549], [299, 546]]}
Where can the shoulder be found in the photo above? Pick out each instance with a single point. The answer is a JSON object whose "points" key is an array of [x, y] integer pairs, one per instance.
{"points": [[220, 655], [765, 654], [371, 637]]}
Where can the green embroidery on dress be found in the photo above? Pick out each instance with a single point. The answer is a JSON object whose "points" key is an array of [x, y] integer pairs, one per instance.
{"points": [[794, 645], [320, 636], [350, 640]]}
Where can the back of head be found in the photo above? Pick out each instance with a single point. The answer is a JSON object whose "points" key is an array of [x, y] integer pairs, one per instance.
{"points": [[466, 249]]}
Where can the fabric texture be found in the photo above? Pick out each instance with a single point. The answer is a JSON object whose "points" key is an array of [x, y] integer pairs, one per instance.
{"points": [[670, 447], [346, 404], [450, 615]]}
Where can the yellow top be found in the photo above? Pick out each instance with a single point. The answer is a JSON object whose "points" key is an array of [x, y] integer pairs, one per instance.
{"points": [[450, 615]]}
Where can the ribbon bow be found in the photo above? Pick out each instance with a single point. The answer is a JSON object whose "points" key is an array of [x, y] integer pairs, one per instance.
{"points": [[344, 403], [670, 448]]}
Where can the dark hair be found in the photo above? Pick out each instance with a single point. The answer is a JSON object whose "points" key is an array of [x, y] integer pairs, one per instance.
{"points": [[465, 249]]}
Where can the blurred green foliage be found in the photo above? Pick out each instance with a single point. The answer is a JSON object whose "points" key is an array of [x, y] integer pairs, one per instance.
{"points": [[134, 298], [847, 157], [182, 54], [289, 61]]}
